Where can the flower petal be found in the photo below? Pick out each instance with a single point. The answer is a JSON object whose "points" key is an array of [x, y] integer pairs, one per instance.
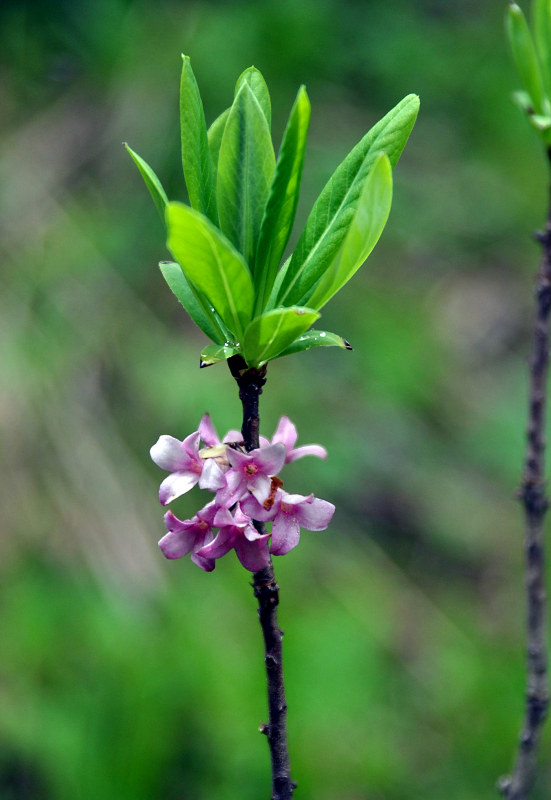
{"points": [[233, 436], [256, 510], [175, 485], [315, 516], [212, 477], [168, 453], [191, 445], [208, 564], [307, 450], [220, 546], [260, 486], [207, 431], [285, 534], [253, 555], [270, 459], [176, 545], [286, 433]]}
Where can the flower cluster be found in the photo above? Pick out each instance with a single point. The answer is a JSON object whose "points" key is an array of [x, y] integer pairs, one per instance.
{"points": [[246, 488]]}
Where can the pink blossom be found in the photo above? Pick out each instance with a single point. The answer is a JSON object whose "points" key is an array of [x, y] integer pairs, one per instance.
{"points": [[190, 535], [290, 513], [286, 433], [251, 472], [187, 467], [238, 533]]}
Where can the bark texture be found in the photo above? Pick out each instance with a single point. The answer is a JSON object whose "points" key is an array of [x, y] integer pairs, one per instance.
{"points": [[518, 785]]}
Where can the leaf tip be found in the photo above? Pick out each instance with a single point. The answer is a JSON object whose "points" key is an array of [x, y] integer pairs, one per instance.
{"points": [[347, 345]]}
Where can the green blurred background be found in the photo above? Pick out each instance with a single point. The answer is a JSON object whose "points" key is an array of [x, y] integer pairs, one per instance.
{"points": [[127, 677]]}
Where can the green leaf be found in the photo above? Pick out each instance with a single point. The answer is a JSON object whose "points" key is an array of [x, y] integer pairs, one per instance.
{"points": [[363, 234], [214, 136], [258, 86], [211, 263], [525, 56], [282, 201], [245, 169], [151, 181], [311, 339], [335, 208], [195, 305], [541, 24], [213, 353], [196, 160], [269, 334]]}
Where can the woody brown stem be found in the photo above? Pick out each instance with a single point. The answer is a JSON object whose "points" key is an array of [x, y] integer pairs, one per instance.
{"points": [[532, 494], [250, 382]]}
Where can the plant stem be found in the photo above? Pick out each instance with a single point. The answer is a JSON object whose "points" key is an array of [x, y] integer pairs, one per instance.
{"points": [[266, 590], [532, 494]]}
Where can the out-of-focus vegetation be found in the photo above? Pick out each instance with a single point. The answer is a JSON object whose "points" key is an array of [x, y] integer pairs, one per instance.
{"points": [[125, 676]]}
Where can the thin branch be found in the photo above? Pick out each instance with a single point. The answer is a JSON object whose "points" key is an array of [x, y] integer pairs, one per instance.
{"points": [[266, 590], [532, 494]]}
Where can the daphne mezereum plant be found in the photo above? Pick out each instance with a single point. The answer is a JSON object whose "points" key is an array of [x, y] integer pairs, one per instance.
{"points": [[531, 49], [228, 245]]}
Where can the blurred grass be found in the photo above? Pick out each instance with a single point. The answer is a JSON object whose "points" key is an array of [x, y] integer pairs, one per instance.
{"points": [[122, 675]]}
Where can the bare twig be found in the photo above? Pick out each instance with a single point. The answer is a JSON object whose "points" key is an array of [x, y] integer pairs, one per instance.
{"points": [[532, 494], [266, 590]]}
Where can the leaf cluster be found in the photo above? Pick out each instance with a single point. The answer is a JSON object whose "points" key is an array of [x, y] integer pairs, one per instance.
{"points": [[228, 243], [531, 48]]}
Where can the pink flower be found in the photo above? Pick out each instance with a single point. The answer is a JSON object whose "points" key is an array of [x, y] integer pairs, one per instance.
{"points": [[251, 472], [286, 433], [290, 513], [190, 535], [238, 533], [211, 438], [187, 468]]}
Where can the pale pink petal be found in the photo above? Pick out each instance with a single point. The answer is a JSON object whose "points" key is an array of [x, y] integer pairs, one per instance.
{"points": [[208, 512], [208, 564], [233, 436], [172, 523], [253, 555], [286, 433], [263, 442], [168, 453], [308, 450], [237, 459], [315, 516], [223, 543], [260, 486], [270, 459], [223, 518], [235, 489], [285, 534], [191, 445], [175, 485], [256, 510], [176, 545], [212, 477], [207, 431]]}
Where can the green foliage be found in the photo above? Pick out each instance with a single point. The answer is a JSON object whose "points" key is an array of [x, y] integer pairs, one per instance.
{"points": [[268, 335], [246, 165], [334, 210], [231, 242], [151, 181], [211, 263], [531, 53], [283, 199], [196, 157], [364, 230]]}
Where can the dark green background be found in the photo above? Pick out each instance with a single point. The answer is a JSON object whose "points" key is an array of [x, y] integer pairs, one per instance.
{"points": [[126, 677]]}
